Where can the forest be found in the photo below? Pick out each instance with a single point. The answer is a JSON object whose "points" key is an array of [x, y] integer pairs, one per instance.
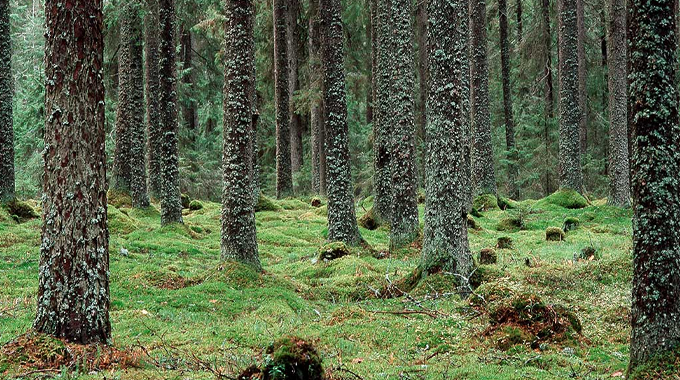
{"points": [[339, 189]]}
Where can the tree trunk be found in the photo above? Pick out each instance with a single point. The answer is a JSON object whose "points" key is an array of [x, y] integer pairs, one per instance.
{"points": [[421, 112], [655, 163], [153, 115], [342, 222], [445, 240], [293, 35], [189, 114], [239, 241], [7, 187], [549, 99], [483, 174], [619, 190], [284, 174], [73, 291], [520, 23], [315, 108], [571, 176], [582, 94], [511, 146], [171, 203], [370, 39]]}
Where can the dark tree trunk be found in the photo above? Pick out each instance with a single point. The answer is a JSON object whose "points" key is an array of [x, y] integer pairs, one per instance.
{"points": [[153, 115], [293, 34], [315, 121], [188, 105], [520, 23], [7, 187], [619, 189], [511, 146], [421, 112], [323, 146], [171, 203], [655, 163], [342, 222], [284, 174], [571, 176], [549, 98], [239, 240], [445, 240], [483, 174], [73, 291], [370, 38], [582, 94]]}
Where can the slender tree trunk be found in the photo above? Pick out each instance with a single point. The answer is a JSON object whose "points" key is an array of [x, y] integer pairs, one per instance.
{"points": [[549, 99], [582, 76], [445, 240], [188, 105], [655, 163], [423, 73], [153, 115], [293, 35], [571, 176], [73, 291], [315, 108], [171, 203], [370, 38], [483, 174], [239, 240], [511, 146], [520, 23], [342, 222], [7, 187], [284, 174], [323, 147], [619, 189]]}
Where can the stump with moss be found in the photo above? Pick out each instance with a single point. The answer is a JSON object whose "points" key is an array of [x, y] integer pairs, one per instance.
{"points": [[511, 224], [370, 220], [554, 234], [316, 202], [567, 198], [472, 223], [570, 223], [332, 251], [488, 256], [186, 200], [195, 205], [504, 242]]}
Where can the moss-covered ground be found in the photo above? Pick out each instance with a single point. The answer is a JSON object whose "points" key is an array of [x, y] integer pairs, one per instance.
{"points": [[190, 316]]}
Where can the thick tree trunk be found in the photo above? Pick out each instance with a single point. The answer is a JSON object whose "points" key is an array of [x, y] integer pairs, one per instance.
{"points": [[511, 146], [7, 187], [582, 76], [153, 115], [315, 108], [188, 105], [294, 37], [421, 112], [619, 189], [483, 173], [445, 240], [73, 291], [655, 163], [239, 240], [171, 203], [571, 176], [284, 174], [342, 222], [370, 38], [548, 95], [323, 146]]}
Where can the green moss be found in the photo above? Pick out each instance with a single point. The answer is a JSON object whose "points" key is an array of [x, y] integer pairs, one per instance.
{"points": [[504, 242], [20, 210], [291, 358], [485, 202], [507, 203], [510, 336], [119, 199], [554, 234], [662, 366], [186, 200], [266, 204], [566, 198], [119, 222], [488, 256], [571, 223], [511, 224], [322, 211], [195, 205], [369, 220], [332, 251]]}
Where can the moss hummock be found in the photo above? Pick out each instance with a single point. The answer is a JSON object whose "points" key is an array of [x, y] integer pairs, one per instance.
{"points": [[291, 358], [504, 242], [570, 223], [332, 251], [195, 205], [554, 234], [266, 204], [119, 199], [488, 256], [566, 198], [485, 202]]}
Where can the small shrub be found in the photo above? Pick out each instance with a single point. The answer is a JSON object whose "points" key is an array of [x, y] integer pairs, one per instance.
{"points": [[554, 234]]}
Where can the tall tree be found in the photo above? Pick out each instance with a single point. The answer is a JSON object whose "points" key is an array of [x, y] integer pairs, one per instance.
{"points": [[188, 105], [571, 176], [404, 216], [370, 39], [548, 95], [342, 222], [284, 174], [520, 23], [445, 240], [582, 95], [73, 291], [239, 240], [316, 123], [171, 202], [7, 189], [619, 189], [129, 172], [294, 36], [655, 163], [511, 145], [483, 173], [423, 85], [153, 112]]}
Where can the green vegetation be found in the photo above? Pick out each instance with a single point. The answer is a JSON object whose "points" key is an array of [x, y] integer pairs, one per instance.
{"points": [[485, 202], [566, 198]]}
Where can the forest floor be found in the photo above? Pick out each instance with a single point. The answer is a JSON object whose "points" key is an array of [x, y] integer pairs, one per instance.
{"points": [[179, 313]]}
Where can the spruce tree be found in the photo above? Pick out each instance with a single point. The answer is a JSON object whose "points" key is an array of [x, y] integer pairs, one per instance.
{"points": [[284, 174], [510, 144], [294, 51], [152, 89], [7, 189], [315, 119]]}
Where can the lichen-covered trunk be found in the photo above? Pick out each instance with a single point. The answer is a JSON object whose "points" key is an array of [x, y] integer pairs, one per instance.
{"points": [[129, 172], [483, 173], [171, 202], [73, 290], [404, 216], [619, 172], [188, 104], [239, 240], [655, 163], [370, 38], [342, 221], [7, 187], [582, 95], [284, 173], [548, 95], [520, 23], [445, 240], [510, 144], [153, 115], [323, 147], [571, 176], [293, 34], [315, 107], [423, 85]]}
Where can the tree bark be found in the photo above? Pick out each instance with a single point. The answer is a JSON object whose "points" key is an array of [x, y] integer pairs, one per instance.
{"points": [[294, 37], [582, 76], [548, 95], [655, 163], [342, 222], [7, 186], [188, 105], [421, 112], [520, 23], [153, 115], [284, 174], [511, 146], [370, 39], [315, 108], [73, 291]]}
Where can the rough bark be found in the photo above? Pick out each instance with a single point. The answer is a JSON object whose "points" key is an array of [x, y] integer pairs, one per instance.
{"points": [[510, 143], [284, 174], [445, 241], [7, 186], [421, 111], [655, 163], [520, 23], [153, 115], [548, 95], [582, 94], [171, 203], [483, 173], [619, 189], [188, 104], [293, 34], [73, 291], [239, 240], [571, 176], [315, 107], [342, 222], [370, 38]]}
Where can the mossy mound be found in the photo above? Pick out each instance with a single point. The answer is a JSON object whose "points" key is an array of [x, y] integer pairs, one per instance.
{"points": [[237, 275], [488, 256], [436, 284], [20, 211], [370, 220], [588, 254], [504, 242], [663, 366], [566, 198], [332, 251], [554, 234], [316, 202], [266, 204], [195, 205], [472, 223], [511, 224], [168, 278], [120, 222], [119, 199], [484, 274], [485, 202], [186, 200], [291, 358], [149, 212], [507, 203], [570, 223]]}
